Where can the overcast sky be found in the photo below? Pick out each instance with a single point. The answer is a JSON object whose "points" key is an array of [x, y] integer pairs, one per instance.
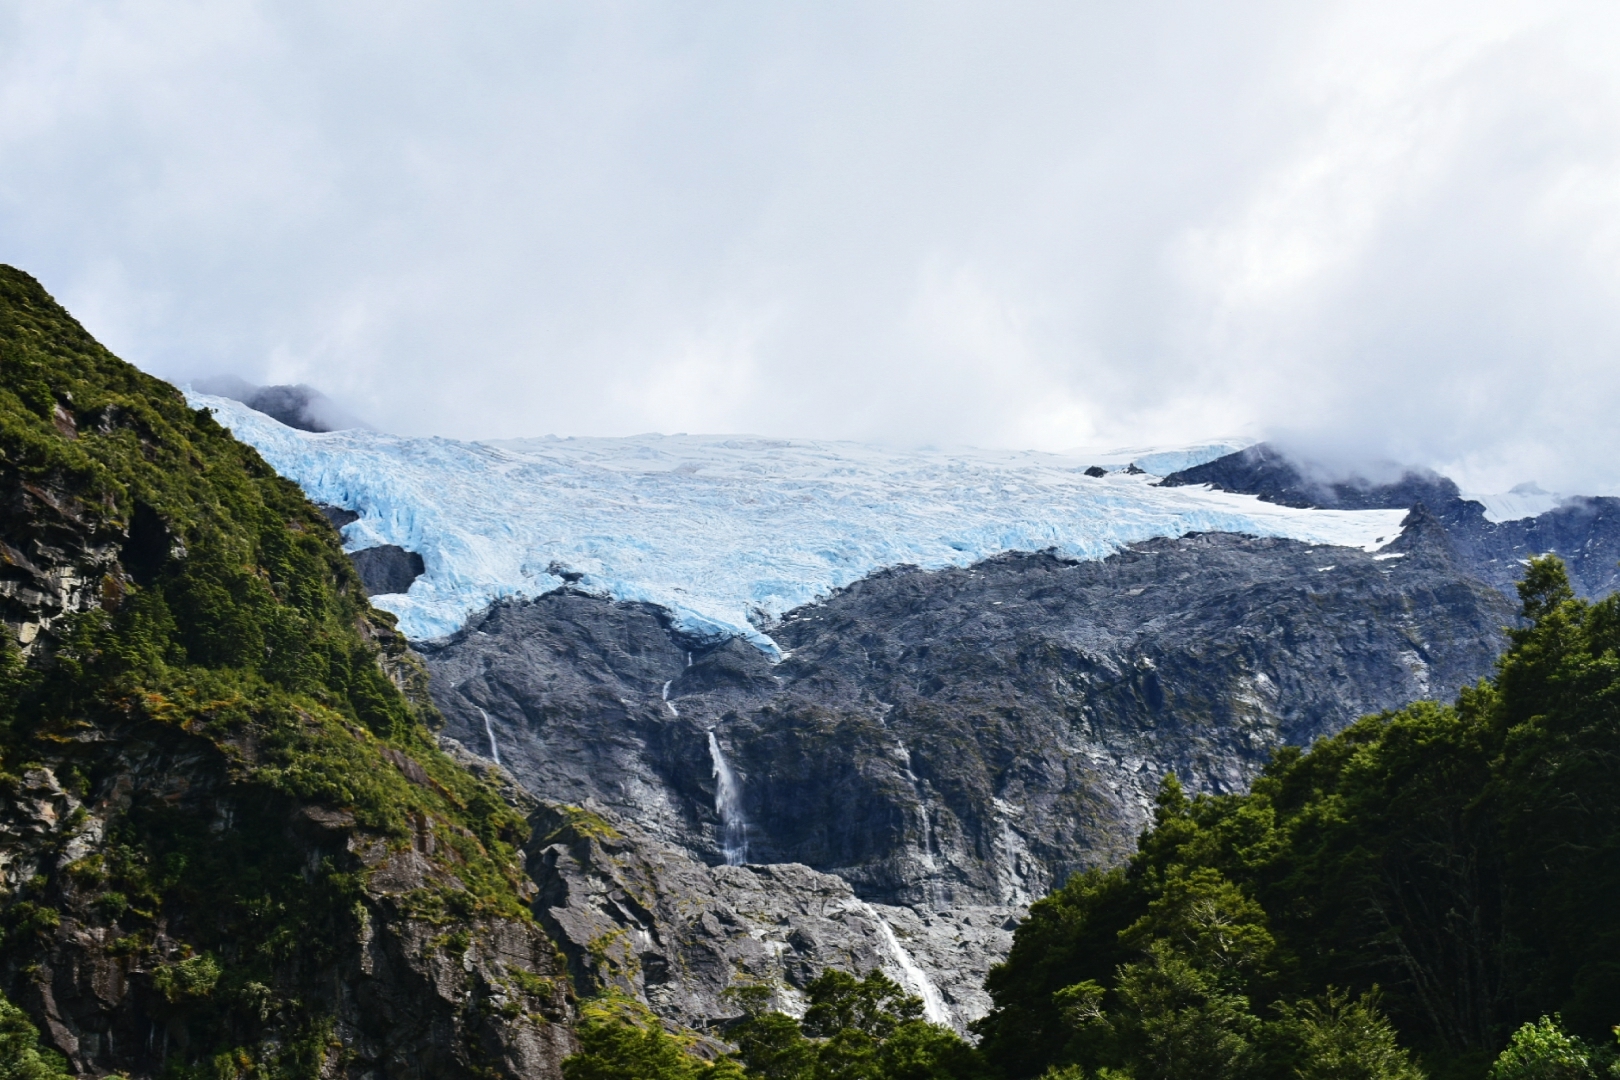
{"points": [[1370, 228]]}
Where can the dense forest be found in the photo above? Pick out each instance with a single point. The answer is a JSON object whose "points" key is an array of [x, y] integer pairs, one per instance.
{"points": [[1432, 892]]}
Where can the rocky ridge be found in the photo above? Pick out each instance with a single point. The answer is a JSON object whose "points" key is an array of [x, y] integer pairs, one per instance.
{"points": [[1584, 531], [650, 920]]}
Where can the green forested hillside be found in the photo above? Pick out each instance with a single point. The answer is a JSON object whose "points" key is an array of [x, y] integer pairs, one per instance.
{"points": [[224, 812], [1453, 867]]}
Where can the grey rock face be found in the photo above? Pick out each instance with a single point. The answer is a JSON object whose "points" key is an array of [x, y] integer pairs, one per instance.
{"points": [[960, 739], [387, 568], [300, 406], [337, 515], [650, 920], [58, 558], [1265, 471]]}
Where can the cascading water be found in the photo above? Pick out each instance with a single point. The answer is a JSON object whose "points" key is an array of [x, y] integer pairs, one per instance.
{"points": [[912, 977], [489, 731], [668, 704], [728, 805]]}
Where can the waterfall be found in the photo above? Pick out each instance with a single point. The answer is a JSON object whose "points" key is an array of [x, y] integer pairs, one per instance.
{"points": [[489, 730], [670, 705], [728, 805], [912, 977]]}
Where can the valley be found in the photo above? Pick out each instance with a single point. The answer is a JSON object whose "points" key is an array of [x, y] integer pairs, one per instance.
{"points": [[669, 726]]}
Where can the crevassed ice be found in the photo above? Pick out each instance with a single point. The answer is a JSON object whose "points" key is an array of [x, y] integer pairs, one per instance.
{"points": [[730, 532]]}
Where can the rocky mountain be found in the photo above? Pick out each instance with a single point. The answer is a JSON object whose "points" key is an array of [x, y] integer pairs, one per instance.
{"points": [[299, 406], [784, 705], [948, 744], [1583, 531], [229, 843]]}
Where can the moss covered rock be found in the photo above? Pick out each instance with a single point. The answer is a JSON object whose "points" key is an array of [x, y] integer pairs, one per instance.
{"points": [[230, 843]]}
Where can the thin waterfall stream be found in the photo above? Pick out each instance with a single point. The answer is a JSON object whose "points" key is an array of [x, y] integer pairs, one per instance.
{"points": [[912, 976], [489, 731], [728, 805]]}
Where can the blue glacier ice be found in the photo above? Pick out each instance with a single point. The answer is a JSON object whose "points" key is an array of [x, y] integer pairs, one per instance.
{"points": [[730, 532]]}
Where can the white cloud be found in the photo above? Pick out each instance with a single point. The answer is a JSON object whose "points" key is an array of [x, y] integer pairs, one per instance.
{"points": [[1374, 228]]}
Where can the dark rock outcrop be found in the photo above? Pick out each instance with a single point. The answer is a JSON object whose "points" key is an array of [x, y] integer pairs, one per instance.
{"points": [[337, 515], [387, 568], [300, 406], [1266, 471]]}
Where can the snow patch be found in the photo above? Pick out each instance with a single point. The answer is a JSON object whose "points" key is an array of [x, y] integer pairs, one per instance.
{"points": [[726, 532], [1524, 501], [1161, 461]]}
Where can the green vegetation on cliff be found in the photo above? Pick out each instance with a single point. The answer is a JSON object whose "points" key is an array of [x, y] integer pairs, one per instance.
{"points": [[1455, 868], [190, 620], [21, 1057]]}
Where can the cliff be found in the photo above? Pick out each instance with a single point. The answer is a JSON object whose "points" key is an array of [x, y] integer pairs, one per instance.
{"points": [[230, 844], [947, 745]]}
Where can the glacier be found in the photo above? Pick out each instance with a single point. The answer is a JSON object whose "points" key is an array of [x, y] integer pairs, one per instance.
{"points": [[1526, 500], [729, 532]]}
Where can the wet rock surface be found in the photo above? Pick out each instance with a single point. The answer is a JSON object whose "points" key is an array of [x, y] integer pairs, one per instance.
{"points": [[649, 919], [958, 739]]}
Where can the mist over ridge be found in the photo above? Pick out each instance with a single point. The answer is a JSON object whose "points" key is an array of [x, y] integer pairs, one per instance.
{"points": [[1385, 229]]}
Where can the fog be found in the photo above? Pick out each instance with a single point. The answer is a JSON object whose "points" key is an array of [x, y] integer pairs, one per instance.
{"points": [[1372, 231]]}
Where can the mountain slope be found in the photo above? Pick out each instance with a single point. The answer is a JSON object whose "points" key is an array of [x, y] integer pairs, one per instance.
{"points": [[230, 843], [1460, 862], [953, 743], [717, 645]]}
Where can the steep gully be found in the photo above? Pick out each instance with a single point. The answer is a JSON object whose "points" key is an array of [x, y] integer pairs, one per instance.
{"points": [[938, 749]]}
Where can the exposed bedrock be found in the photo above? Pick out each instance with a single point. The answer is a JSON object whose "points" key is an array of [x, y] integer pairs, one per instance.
{"points": [[649, 919], [387, 568], [967, 737]]}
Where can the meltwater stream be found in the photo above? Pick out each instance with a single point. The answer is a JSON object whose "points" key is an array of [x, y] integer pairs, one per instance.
{"points": [[728, 804], [912, 976], [489, 731]]}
